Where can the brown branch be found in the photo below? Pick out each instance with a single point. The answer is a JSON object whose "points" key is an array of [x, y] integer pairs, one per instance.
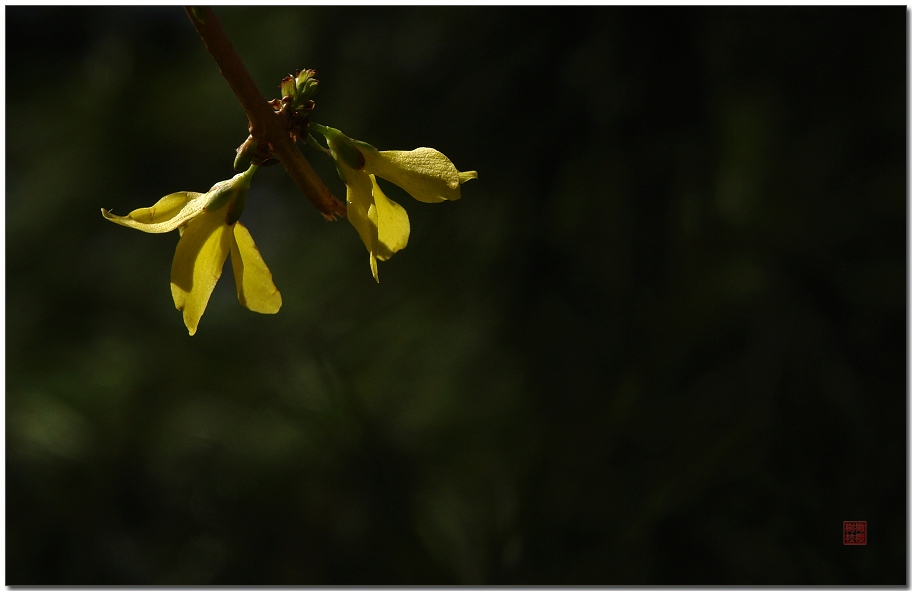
{"points": [[265, 123]]}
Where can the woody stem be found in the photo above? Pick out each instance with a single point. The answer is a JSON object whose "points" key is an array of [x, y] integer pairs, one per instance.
{"points": [[265, 123]]}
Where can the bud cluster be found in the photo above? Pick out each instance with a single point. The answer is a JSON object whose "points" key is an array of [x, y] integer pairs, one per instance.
{"points": [[295, 106], [298, 90]]}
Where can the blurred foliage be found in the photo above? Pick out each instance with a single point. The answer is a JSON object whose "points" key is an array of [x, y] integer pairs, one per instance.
{"points": [[660, 340]]}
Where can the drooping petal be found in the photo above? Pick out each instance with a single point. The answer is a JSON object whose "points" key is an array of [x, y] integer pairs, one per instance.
{"points": [[197, 265], [382, 224], [392, 223], [170, 212], [426, 174], [373, 264], [360, 201], [255, 288]]}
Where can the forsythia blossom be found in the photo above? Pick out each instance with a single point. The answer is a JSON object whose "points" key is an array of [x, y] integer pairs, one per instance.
{"points": [[210, 230], [424, 173]]}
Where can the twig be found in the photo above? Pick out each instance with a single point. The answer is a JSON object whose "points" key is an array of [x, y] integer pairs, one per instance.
{"points": [[265, 123]]}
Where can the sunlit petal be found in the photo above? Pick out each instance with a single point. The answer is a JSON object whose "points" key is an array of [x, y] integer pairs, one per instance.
{"points": [[373, 265], [197, 265], [168, 214], [359, 198], [255, 288], [392, 224], [166, 208], [424, 173]]}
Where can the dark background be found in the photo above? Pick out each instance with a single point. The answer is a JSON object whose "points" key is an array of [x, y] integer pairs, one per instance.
{"points": [[661, 340]]}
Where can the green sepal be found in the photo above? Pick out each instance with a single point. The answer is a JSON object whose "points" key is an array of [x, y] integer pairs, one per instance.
{"points": [[347, 152], [289, 88], [343, 148], [223, 193], [364, 145], [236, 208], [339, 171], [227, 191]]}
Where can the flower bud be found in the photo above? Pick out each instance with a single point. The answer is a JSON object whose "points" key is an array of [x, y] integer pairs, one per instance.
{"points": [[245, 153], [288, 87], [306, 83]]}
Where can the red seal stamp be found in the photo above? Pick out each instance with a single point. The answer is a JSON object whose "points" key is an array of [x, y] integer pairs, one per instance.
{"points": [[854, 533]]}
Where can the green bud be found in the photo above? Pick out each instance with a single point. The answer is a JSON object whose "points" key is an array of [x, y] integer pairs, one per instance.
{"points": [[306, 85], [245, 153], [288, 87]]}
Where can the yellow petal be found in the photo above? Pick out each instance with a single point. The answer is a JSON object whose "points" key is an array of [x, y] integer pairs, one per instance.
{"points": [[166, 208], [426, 174], [382, 224], [362, 214], [255, 288], [373, 264], [168, 213], [162, 216], [392, 224], [360, 201], [197, 265]]}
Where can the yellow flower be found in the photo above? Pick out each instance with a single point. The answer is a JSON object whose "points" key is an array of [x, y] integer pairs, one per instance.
{"points": [[209, 231], [424, 173]]}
